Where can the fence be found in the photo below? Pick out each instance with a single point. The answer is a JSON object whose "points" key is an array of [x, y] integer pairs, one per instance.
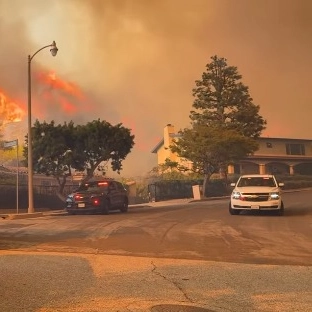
{"points": [[45, 196], [173, 189]]}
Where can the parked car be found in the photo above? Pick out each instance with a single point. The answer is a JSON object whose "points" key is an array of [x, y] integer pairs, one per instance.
{"points": [[98, 197], [256, 192]]}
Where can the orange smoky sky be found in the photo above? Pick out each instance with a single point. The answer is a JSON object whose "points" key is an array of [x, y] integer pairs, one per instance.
{"points": [[136, 61]]}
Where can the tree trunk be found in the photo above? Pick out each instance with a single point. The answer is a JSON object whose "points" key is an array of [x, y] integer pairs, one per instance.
{"points": [[206, 179], [61, 182]]}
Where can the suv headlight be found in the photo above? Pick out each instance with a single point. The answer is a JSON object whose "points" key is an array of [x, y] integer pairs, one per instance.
{"points": [[236, 195], [274, 195]]}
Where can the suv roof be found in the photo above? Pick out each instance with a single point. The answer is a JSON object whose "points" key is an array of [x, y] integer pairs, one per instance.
{"points": [[257, 176]]}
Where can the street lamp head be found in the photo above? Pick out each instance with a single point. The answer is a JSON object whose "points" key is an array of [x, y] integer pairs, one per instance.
{"points": [[53, 49]]}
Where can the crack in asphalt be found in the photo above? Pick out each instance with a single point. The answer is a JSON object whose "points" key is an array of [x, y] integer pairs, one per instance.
{"points": [[175, 284]]}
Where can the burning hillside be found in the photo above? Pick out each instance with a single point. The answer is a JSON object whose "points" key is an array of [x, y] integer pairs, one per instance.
{"points": [[62, 95], [51, 97], [10, 110]]}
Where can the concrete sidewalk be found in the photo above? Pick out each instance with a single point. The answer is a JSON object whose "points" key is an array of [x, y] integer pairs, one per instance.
{"points": [[9, 214]]}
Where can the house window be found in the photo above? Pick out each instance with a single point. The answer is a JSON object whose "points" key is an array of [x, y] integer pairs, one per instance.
{"points": [[295, 149], [269, 144]]}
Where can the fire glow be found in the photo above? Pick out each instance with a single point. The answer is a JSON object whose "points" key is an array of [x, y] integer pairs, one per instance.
{"points": [[51, 93], [10, 111], [63, 93]]}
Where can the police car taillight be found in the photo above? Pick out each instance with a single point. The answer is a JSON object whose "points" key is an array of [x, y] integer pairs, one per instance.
{"points": [[96, 201]]}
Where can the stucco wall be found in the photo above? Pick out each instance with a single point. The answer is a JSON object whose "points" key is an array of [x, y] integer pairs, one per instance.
{"points": [[278, 147]]}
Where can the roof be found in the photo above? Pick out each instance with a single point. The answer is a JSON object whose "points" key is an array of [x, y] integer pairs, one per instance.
{"points": [[283, 139], [157, 147], [160, 143]]}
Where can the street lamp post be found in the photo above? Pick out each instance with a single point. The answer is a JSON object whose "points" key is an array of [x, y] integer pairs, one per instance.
{"points": [[53, 50]]}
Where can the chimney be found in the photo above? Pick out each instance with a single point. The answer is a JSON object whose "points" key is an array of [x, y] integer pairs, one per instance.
{"points": [[169, 129]]}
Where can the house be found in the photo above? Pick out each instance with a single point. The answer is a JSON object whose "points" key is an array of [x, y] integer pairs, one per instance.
{"points": [[274, 156]]}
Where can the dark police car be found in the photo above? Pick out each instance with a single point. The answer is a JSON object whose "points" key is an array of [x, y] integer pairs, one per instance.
{"points": [[98, 197]]}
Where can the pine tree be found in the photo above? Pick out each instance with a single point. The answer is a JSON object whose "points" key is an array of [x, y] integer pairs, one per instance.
{"points": [[225, 121]]}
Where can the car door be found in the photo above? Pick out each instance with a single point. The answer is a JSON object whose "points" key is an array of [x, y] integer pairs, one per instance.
{"points": [[113, 194], [122, 193]]}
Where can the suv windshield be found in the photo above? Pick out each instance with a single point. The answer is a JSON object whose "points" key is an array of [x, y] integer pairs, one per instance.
{"points": [[256, 181]]}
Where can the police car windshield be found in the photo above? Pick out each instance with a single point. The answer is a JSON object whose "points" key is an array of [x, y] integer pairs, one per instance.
{"points": [[93, 186]]}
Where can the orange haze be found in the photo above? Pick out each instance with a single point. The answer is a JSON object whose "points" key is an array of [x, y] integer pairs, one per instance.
{"points": [[136, 61]]}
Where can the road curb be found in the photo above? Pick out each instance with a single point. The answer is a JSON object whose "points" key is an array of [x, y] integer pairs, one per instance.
{"points": [[23, 215]]}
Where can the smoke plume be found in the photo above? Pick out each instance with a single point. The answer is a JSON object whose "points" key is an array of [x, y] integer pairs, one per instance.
{"points": [[136, 61]]}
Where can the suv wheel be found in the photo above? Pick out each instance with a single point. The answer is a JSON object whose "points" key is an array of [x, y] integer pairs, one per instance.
{"points": [[124, 207], [233, 211], [280, 212]]}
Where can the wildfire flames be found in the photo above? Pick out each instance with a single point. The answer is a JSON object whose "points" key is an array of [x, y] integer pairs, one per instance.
{"points": [[10, 111], [63, 93], [53, 94]]}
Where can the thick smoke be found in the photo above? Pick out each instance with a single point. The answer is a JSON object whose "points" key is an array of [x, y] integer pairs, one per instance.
{"points": [[136, 61]]}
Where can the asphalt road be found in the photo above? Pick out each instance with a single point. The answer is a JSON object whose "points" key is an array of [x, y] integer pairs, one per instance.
{"points": [[185, 257]]}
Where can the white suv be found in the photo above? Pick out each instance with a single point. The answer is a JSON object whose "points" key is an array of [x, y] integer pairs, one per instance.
{"points": [[256, 192]]}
